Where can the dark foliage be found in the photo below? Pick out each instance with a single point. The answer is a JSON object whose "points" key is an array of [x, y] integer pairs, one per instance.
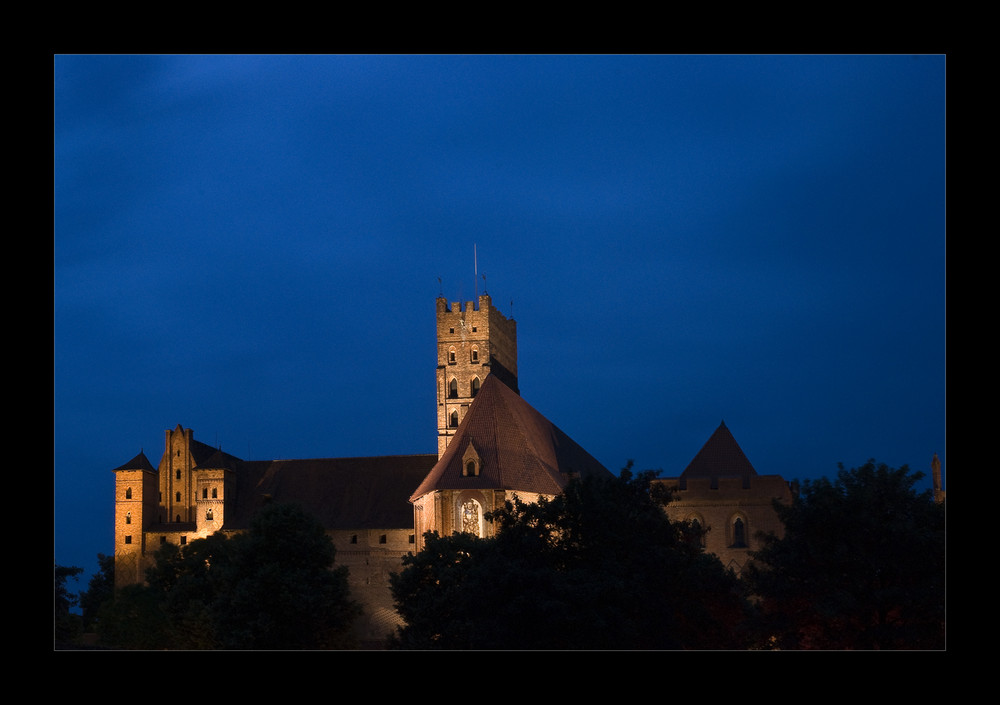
{"points": [[599, 566], [273, 587], [66, 625], [861, 565], [100, 589]]}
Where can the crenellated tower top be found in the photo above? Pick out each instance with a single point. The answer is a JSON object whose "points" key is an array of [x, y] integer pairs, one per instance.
{"points": [[474, 339]]}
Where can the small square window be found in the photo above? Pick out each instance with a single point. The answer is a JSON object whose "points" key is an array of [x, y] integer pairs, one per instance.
{"points": [[163, 539], [412, 539], [382, 538], [184, 540], [128, 539]]}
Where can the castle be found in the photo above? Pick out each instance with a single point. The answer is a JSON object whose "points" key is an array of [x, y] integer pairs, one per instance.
{"points": [[492, 445]]}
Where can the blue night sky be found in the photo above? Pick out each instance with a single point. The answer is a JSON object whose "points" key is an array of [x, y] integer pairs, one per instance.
{"points": [[251, 247]]}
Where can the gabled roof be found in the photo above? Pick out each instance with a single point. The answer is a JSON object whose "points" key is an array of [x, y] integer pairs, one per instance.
{"points": [[139, 462], [518, 448], [342, 493], [721, 456]]}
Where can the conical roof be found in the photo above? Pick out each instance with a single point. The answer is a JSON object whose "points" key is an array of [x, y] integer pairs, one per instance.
{"points": [[721, 456], [518, 448]]}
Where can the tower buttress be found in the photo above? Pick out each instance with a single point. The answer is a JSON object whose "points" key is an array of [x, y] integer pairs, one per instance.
{"points": [[474, 340]]}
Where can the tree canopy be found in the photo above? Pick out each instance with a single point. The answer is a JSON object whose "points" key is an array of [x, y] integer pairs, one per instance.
{"points": [[599, 566], [271, 587], [66, 625], [861, 564]]}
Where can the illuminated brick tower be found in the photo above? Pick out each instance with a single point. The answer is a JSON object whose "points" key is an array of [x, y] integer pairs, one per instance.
{"points": [[474, 339]]}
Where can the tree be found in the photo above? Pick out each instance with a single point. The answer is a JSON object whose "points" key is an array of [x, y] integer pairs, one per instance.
{"points": [[599, 566], [272, 587], [100, 589], [860, 566], [66, 624]]}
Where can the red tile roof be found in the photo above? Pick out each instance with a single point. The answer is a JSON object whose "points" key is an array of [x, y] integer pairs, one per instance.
{"points": [[342, 493], [721, 456], [519, 449]]}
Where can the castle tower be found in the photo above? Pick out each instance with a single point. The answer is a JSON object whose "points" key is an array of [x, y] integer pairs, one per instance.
{"points": [[135, 509], [177, 486], [474, 340]]}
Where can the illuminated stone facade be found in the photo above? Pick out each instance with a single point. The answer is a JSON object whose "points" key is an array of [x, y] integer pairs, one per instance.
{"points": [[474, 339], [491, 445], [721, 491]]}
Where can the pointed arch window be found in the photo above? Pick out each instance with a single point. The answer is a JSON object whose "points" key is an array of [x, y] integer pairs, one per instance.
{"points": [[453, 423], [128, 517], [128, 493], [453, 389], [475, 386], [471, 513], [209, 515], [470, 462], [739, 533]]}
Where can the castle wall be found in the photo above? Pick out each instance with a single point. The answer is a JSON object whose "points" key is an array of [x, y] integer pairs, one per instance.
{"points": [[718, 504]]}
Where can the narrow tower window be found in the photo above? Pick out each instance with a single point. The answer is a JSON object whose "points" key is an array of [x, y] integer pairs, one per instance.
{"points": [[454, 419], [128, 493], [739, 534], [453, 389], [475, 386]]}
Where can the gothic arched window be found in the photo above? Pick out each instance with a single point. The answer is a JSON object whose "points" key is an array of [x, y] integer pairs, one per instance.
{"points": [[454, 419], [128, 493], [453, 389], [470, 517], [209, 515], [739, 533], [475, 386]]}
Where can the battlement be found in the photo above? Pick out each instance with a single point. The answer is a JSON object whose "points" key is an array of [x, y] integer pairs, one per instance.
{"points": [[483, 304]]}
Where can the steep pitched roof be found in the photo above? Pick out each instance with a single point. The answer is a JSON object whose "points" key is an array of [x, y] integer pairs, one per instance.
{"points": [[518, 448], [139, 462], [202, 453], [721, 456], [342, 493]]}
